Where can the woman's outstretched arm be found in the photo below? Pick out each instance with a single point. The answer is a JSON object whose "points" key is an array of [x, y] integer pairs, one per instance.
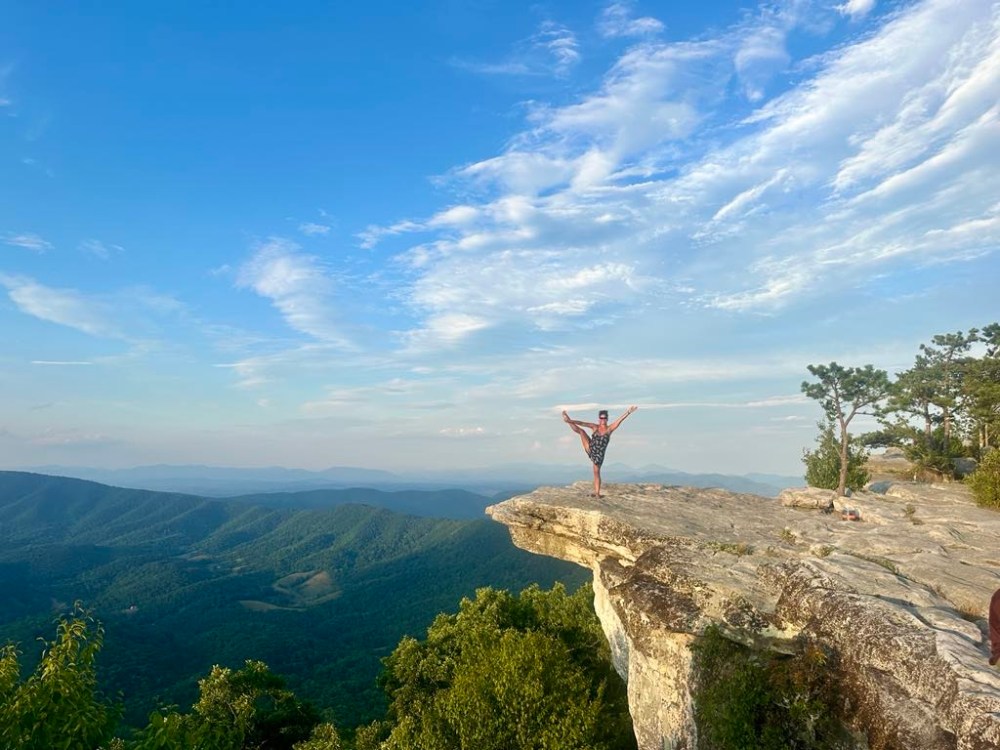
{"points": [[614, 425]]}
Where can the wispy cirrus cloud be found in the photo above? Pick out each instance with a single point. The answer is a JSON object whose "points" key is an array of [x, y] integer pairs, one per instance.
{"points": [[27, 240], [66, 307], [136, 315], [312, 229], [71, 438], [373, 234], [552, 50], [298, 286], [466, 433], [5, 71], [99, 249], [885, 153], [856, 9], [617, 20]]}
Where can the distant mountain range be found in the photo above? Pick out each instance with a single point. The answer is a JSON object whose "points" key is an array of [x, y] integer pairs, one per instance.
{"points": [[506, 480]]}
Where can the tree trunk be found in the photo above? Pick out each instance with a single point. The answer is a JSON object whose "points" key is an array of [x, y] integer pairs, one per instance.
{"points": [[842, 484]]}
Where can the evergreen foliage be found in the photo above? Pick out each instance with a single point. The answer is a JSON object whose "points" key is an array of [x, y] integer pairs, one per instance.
{"points": [[823, 463], [844, 393], [505, 673], [947, 406], [751, 700], [985, 480]]}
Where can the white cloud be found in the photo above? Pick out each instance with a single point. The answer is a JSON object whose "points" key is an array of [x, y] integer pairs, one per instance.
{"points": [[65, 307], [297, 285], [464, 432], [761, 54], [71, 438], [856, 9], [886, 131], [561, 45], [552, 50], [98, 249], [885, 149], [5, 71], [455, 216], [616, 21], [313, 229], [372, 235], [250, 372], [447, 330], [27, 240]]}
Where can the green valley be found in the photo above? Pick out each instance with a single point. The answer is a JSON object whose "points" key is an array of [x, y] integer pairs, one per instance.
{"points": [[181, 583]]}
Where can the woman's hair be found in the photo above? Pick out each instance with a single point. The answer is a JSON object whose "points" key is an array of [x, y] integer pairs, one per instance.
{"points": [[602, 413]]}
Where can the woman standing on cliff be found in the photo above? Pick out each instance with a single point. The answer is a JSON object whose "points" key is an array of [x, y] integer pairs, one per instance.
{"points": [[596, 443]]}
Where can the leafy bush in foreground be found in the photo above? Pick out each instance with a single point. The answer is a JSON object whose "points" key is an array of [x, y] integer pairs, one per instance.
{"points": [[823, 463], [507, 672], [58, 706], [985, 480]]}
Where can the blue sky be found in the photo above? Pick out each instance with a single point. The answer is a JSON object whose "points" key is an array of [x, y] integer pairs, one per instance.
{"points": [[407, 236]]}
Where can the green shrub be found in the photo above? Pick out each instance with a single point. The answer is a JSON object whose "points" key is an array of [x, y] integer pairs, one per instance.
{"points": [[985, 480], [747, 699], [59, 704], [243, 709], [935, 455], [823, 463], [507, 673]]}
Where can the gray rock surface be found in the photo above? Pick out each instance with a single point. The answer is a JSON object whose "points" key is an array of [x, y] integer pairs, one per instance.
{"points": [[900, 596]]}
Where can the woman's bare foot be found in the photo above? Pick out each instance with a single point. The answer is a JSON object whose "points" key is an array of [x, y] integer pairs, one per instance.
{"points": [[566, 417]]}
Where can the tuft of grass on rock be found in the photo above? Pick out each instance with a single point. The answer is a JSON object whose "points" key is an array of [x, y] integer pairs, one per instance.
{"points": [[885, 562], [740, 549], [911, 515], [970, 611]]}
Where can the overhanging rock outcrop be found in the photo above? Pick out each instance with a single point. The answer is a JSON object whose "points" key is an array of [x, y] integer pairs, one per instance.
{"points": [[900, 597]]}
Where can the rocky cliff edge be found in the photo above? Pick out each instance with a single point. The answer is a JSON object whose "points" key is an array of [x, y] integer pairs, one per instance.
{"points": [[900, 596]]}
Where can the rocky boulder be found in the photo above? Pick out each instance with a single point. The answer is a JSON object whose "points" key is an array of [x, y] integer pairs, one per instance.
{"points": [[899, 596], [892, 464], [807, 497]]}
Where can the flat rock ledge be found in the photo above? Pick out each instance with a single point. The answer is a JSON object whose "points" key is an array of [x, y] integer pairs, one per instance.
{"points": [[899, 596]]}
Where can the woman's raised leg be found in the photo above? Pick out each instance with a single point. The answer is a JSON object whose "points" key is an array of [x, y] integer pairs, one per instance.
{"points": [[584, 437]]}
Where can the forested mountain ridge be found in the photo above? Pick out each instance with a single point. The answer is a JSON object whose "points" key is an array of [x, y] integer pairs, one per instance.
{"points": [[443, 503], [183, 583]]}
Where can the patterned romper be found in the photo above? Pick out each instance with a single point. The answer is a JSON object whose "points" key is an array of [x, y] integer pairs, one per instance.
{"points": [[598, 444]]}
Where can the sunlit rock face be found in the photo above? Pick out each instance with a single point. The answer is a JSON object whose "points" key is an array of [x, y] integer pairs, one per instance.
{"points": [[900, 596]]}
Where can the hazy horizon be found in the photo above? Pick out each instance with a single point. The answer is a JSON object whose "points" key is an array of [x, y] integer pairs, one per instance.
{"points": [[407, 237]]}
